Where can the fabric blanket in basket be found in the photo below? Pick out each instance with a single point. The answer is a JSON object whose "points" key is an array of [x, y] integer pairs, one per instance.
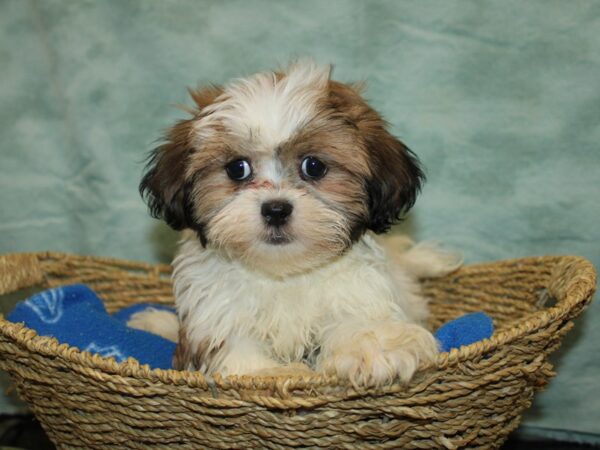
{"points": [[75, 315]]}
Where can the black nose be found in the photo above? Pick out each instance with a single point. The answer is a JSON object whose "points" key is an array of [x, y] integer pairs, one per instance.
{"points": [[276, 212]]}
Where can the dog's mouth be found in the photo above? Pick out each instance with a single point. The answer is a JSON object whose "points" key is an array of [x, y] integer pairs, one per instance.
{"points": [[278, 237]]}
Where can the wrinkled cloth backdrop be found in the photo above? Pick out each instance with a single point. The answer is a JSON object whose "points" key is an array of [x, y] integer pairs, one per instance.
{"points": [[500, 100]]}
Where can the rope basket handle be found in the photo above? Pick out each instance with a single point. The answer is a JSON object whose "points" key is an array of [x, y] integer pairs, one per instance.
{"points": [[19, 271], [573, 281]]}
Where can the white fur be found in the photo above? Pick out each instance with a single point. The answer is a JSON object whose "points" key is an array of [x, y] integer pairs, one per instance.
{"points": [[243, 355], [262, 109], [280, 320], [375, 352], [422, 260], [157, 321], [271, 171]]}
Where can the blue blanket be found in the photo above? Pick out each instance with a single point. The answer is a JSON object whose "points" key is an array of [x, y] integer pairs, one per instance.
{"points": [[75, 315], [465, 330]]}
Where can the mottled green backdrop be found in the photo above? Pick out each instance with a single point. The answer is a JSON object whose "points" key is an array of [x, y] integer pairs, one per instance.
{"points": [[501, 100]]}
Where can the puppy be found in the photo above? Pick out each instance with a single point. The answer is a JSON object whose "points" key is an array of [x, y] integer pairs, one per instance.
{"points": [[280, 181]]}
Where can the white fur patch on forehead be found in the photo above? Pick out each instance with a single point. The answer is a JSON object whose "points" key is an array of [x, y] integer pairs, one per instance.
{"points": [[268, 107]]}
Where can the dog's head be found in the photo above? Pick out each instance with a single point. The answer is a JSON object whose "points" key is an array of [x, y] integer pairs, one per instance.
{"points": [[282, 171]]}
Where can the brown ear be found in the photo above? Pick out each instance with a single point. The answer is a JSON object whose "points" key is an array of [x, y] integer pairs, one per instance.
{"points": [[396, 175], [164, 186], [396, 180]]}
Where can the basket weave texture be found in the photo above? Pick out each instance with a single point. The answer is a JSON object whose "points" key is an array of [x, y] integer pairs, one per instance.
{"points": [[471, 397]]}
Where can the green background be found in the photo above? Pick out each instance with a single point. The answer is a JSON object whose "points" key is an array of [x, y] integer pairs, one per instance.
{"points": [[501, 100]]}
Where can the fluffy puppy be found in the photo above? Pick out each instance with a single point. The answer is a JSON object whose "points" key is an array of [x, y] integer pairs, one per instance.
{"points": [[280, 180]]}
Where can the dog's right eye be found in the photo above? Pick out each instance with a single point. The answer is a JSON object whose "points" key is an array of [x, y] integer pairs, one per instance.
{"points": [[239, 170]]}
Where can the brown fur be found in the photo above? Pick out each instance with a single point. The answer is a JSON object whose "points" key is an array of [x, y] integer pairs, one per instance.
{"points": [[395, 175], [186, 355], [187, 184], [205, 96], [164, 185]]}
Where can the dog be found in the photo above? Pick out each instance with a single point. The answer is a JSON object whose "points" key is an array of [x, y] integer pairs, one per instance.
{"points": [[280, 182]]}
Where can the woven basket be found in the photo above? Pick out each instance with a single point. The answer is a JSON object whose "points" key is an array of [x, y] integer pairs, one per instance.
{"points": [[470, 398]]}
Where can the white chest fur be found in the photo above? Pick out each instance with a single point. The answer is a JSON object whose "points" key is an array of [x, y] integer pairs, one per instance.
{"points": [[221, 299]]}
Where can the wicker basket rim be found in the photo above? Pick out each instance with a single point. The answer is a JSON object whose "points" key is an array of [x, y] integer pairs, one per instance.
{"points": [[579, 290]]}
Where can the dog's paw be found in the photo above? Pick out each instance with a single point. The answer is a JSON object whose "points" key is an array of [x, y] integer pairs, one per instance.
{"points": [[243, 356], [381, 355]]}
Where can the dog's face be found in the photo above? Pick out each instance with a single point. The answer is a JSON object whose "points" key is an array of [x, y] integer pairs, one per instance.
{"points": [[282, 171]]}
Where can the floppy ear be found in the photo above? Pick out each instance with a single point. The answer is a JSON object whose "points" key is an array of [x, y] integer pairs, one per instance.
{"points": [[396, 175], [164, 186], [396, 180]]}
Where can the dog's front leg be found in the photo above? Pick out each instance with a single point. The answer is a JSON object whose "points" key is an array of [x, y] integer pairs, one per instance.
{"points": [[244, 356], [236, 355], [375, 352]]}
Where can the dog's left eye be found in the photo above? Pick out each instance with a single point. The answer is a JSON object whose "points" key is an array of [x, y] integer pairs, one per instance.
{"points": [[313, 168], [239, 170]]}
